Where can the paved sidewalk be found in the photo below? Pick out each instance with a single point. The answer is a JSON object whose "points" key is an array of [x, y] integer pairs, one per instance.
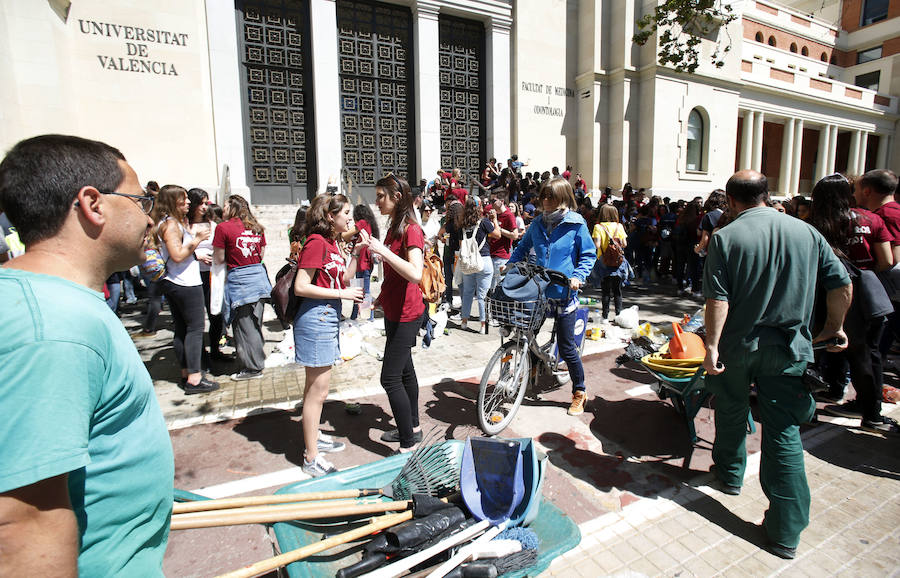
{"points": [[694, 530], [460, 354]]}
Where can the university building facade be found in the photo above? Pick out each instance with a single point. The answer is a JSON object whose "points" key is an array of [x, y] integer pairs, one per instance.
{"points": [[277, 97]]}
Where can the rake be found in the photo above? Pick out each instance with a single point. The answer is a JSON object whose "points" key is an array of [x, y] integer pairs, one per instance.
{"points": [[432, 469]]}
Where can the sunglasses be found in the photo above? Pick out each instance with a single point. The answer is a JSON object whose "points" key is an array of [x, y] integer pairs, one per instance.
{"points": [[145, 201]]}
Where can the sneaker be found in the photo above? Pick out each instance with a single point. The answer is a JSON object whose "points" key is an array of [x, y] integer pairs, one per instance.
{"points": [[318, 467], [849, 409], [455, 318], [577, 406], [246, 374], [827, 396], [326, 444], [483, 329], [131, 301], [884, 425], [394, 436], [204, 386], [781, 551], [143, 334]]}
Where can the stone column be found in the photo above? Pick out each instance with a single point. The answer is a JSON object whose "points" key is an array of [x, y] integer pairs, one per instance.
{"points": [[327, 95], [798, 156], [499, 104], [832, 148], [787, 156], [225, 80], [853, 157], [822, 152], [756, 161], [863, 147], [881, 157], [428, 107], [747, 140]]}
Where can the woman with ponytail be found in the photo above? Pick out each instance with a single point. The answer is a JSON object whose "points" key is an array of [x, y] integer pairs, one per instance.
{"points": [[403, 305], [323, 274], [240, 243]]}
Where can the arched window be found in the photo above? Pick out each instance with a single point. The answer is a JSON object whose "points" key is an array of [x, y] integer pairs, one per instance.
{"points": [[793, 47], [771, 41], [804, 51], [824, 57], [696, 141], [759, 37]]}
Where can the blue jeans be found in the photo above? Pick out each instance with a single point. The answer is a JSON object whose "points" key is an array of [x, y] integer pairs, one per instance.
{"points": [[366, 276], [476, 285], [498, 262], [565, 341]]}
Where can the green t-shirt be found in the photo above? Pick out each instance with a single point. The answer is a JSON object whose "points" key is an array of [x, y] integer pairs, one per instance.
{"points": [[768, 266], [76, 398]]}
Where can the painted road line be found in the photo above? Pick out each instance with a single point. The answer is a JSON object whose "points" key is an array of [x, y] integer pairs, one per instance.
{"points": [[254, 484]]}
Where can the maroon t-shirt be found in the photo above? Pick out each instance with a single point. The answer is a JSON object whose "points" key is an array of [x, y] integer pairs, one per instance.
{"points": [[890, 214], [401, 300], [501, 247], [242, 246], [868, 229], [325, 257], [460, 194], [365, 259]]}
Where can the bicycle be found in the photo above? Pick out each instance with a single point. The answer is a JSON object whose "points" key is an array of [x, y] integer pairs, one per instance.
{"points": [[508, 374]]}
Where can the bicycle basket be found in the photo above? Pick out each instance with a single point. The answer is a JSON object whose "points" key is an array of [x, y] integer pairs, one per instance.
{"points": [[528, 315]]}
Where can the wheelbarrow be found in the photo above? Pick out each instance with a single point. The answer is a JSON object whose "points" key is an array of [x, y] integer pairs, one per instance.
{"points": [[688, 395]]}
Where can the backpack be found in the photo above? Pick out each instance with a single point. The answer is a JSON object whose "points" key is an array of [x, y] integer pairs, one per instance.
{"points": [[154, 266], [614, 253], [432, 283], [525, 285], [470, 258], [285, 302]]}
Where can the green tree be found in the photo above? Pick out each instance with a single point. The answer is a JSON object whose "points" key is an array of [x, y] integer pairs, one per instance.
{"points": [[682, 25]]}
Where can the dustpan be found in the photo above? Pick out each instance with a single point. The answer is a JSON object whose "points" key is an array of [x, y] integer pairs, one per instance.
{"points": [[534, 465], [491, 478]]}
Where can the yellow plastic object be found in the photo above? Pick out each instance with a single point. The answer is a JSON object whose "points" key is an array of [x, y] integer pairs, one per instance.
{"points": [[675, 368], [685, 345]]}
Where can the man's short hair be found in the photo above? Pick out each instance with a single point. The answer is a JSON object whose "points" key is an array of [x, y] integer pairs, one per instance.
{"points": [[40, 177], [747, 191], [881, 181]]}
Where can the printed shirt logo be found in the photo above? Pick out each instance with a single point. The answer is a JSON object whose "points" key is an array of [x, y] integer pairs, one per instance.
{"points": [[335, 269], [247, 243]]}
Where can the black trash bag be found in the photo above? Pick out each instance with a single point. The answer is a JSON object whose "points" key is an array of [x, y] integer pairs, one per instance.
{"points": [[636, 350]]}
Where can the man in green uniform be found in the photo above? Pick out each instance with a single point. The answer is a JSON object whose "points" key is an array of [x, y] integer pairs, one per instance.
{"points": [[760, 283], [87, 469]]}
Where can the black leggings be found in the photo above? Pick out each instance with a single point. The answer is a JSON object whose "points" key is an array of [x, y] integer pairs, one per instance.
{"points": [[611, 286], [398, 376], [186, 304]]}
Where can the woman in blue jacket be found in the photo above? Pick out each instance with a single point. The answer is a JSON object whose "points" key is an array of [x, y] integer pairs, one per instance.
{"points": [[561, 241]]}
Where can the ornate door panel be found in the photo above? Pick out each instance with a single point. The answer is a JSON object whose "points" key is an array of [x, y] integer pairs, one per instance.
{"points": [[462, 95], [277, 99], [375, 63]]}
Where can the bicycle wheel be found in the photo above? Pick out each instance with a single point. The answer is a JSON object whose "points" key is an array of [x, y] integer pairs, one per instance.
{"points": [[502, 387]]}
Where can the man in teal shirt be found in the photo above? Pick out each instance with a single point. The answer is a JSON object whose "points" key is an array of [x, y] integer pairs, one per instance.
{"points": [[760, 281], [87, 468]]}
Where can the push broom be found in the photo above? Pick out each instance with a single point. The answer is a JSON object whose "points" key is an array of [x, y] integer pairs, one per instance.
{"points": [[432, 469]]}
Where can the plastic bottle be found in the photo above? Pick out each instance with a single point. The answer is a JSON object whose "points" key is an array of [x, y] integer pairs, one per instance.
{"points": [[588, 300], [696, 321]]}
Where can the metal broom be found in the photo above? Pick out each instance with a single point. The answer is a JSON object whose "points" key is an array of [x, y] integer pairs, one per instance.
{"points": [[432, 469]]}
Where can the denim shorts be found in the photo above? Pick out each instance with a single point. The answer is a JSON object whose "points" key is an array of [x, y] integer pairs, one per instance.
{"points": [[316, 333]]}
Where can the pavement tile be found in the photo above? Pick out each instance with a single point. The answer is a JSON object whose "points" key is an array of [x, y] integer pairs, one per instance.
{"points": [[624, 552], [662, 559], [678, 551], [698, 567], [642, 544], [644, 566]]}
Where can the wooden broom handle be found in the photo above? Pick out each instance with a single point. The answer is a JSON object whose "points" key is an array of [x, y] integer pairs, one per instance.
{"points": [[221, 504], [326, 505], [269, 514], [376, 525]]}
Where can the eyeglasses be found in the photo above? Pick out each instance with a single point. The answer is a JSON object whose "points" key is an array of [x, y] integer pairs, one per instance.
{"points": [[144, 201]]}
